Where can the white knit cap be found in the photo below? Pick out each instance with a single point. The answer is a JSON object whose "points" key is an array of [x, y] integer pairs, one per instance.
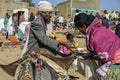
{"points": [[45, 6]]}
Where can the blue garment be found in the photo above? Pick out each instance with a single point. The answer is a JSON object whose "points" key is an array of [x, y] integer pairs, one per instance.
{"points": [[105, 22], [117, 31]]}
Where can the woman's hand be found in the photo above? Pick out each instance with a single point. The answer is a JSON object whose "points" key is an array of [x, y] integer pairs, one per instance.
{"points": [[65, 44]]}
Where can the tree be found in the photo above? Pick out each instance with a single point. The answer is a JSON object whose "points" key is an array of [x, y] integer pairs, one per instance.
{"points": [[29, 1]]}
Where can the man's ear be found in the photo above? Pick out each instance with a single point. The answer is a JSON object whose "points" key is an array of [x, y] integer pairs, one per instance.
{"points": [[82, 28]]}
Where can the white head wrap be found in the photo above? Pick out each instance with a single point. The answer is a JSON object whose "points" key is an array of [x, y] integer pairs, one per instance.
{"points": [[45, 6]]}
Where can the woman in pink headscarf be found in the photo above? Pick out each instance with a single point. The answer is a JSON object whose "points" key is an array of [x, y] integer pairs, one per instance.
{"points": [[101, 42]]}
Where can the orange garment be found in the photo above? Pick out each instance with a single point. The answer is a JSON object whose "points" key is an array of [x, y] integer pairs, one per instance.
{"points": [[63, 40], [13, 38]]}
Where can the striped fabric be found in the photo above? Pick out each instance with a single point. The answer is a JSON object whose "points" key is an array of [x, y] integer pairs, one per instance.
{"points": [[117, 57]]}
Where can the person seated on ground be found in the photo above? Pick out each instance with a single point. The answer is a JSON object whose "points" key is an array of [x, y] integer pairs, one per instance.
{"points": [[101, 42], [70, 41]]}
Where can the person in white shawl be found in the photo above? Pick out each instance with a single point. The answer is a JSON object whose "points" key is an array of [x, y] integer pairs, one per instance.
{"points": [[21, 30], [10, 28], [2, 23]]}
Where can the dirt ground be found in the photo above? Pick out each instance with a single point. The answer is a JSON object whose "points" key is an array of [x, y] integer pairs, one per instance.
{"points": [[11, 54]]}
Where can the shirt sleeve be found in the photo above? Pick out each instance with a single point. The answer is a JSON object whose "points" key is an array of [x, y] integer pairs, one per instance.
{"points": [[39, 32]]}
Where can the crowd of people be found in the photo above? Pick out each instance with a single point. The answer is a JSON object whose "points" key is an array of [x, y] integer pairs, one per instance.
{"points": [[11, 24], [102, 33]]}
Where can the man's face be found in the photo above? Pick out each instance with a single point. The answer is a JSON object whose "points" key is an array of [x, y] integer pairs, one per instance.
{"points": [[47, 14]]}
